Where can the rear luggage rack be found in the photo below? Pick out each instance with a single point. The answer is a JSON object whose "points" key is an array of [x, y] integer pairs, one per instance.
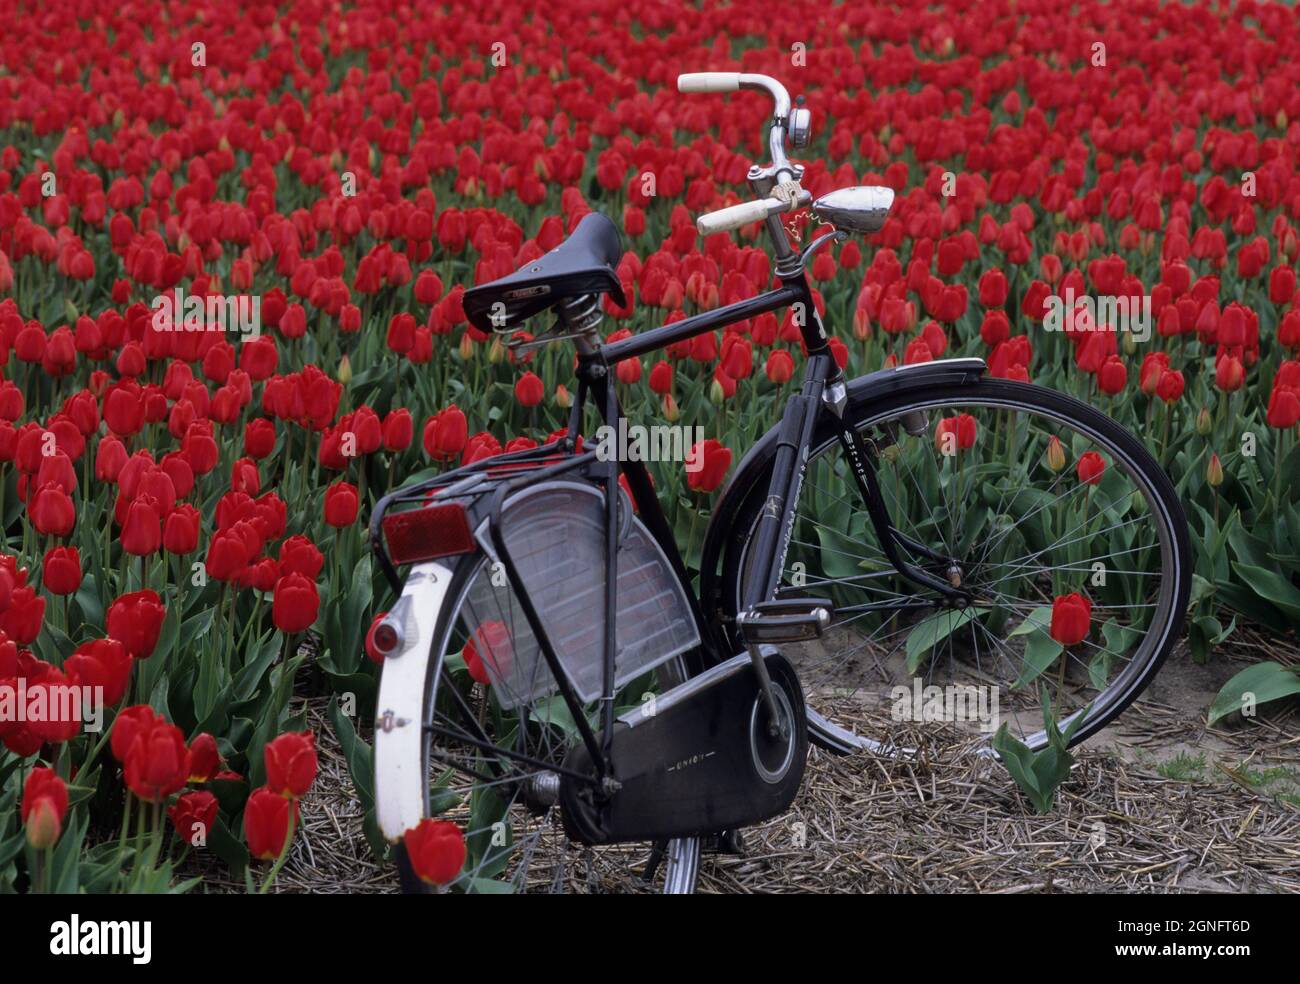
{"points": [[464, 490]]}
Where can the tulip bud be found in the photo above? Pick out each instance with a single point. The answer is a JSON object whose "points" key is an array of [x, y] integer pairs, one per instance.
{"points": [[1055, 454], [1281, 119], [1214, 471], [466, 346], [717, 395], [563, 398], [43, 825], [1129, 343], [496, 351], [344, 374], [671, 412], [1204, 424], [44, 804], [861, 324]]}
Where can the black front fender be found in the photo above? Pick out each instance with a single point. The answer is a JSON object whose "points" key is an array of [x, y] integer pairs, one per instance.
{"points": [[755, 464]]}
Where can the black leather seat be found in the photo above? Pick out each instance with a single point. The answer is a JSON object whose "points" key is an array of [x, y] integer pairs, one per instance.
{"points": [[582, 264]]}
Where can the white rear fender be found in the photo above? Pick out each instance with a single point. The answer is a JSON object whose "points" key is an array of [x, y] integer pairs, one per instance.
{"points": [[400, 777]]}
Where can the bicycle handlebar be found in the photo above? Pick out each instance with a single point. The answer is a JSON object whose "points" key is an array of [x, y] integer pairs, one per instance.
{"points": [[708, 82], [780, 169], [735, 216]]}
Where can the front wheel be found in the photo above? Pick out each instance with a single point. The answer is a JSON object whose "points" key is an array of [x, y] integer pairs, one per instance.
{"points": [[1064, 534]]}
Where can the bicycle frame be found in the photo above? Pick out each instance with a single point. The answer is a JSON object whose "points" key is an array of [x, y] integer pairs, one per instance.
{"points": [[823, 391]]}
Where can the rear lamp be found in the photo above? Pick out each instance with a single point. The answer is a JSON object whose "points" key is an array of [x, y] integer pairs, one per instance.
{"points": [[428, 533], [387, 638]]}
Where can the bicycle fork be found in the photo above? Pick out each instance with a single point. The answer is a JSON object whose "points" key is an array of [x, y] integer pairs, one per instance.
{"points": [[765, 619], [862, 460]]}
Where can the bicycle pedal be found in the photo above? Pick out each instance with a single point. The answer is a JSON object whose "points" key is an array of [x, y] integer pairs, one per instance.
{"points": [[785, 620]]}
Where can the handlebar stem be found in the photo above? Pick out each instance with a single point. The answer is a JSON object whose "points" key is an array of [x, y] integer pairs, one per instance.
{"points": [[780, 120]]}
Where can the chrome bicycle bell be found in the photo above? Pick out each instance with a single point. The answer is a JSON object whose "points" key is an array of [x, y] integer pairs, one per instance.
{"points": [[800, 128]]}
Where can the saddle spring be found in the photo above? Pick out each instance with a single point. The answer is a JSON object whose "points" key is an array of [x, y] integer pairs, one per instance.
{"points": [[578, 316]]}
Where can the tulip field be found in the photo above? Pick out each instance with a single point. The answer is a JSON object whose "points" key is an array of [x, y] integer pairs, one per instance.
{"points": [[184, 508]]}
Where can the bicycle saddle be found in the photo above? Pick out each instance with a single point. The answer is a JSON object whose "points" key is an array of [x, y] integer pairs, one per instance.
{"points": [[582, 264]]}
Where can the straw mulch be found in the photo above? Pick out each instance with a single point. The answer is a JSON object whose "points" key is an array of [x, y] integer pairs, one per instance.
{"points": [[943, 819]]}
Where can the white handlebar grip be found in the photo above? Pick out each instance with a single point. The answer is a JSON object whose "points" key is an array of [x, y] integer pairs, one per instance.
{"points": [[708, 82], [736, 216]]}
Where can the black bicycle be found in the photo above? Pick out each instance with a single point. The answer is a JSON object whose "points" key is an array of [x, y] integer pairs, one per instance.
{"points": [[554, 684]]}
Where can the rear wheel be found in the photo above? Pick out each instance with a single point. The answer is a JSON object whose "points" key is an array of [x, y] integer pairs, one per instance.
{"points": [[1023, 497], [491, 755]]}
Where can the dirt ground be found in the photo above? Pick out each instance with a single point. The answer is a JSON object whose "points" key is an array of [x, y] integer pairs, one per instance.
{"points": [[1157, 802]]}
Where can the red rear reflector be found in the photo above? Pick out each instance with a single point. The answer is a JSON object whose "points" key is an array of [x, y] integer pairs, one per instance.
{"points": [[428, 533]]}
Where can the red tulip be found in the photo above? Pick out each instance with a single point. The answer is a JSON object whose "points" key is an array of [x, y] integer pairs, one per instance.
{"points": [[529, 390], [192, 815], [445, 434], [1071, 618], [397, 430], [259, 438], [23, 619], [101, 663], [1229, 374], [244, 477], [157, 763], [267, 819], [62, 721], [1281, 285], [993, 288], [130, 722], [205, 757], [1153, 367], [955, 433], [401, 333], [1090, 467], [290, 763], [110, 458], [1112, 375], [61, 570], [298, 555], [124, 409], [490, 644], [341, 505], [1283, 410], [1170, 386], [136, 621], [181, 530], [707, 465], [436, 850], [51, 511], [45, 804], [295, 603], [142, 530], [780, 366], [428, 288]]}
